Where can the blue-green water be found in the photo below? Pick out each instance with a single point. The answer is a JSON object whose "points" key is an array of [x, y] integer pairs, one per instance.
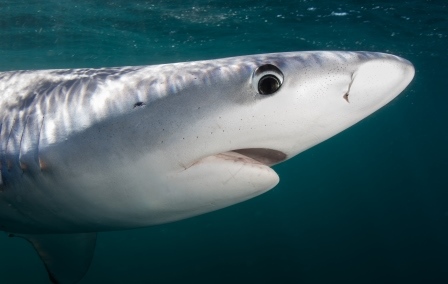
{"points": [[367, 206]]}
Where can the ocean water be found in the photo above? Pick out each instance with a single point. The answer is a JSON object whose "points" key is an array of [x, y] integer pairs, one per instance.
{"points": [[367, 206]]}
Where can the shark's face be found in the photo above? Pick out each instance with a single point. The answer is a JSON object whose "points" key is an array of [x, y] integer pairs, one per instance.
{"points": [[285, 104], [255, 112], [173, 141]]}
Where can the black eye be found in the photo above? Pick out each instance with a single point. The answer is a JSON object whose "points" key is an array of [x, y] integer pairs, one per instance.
{"points": [[268, 84], [267, 79]]}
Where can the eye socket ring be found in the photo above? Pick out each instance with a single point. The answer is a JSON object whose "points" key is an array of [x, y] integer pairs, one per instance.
{"points": [[267, 79]]}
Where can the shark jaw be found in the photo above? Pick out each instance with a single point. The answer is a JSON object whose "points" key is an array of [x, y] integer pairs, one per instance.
{"points": [[257, 156]]}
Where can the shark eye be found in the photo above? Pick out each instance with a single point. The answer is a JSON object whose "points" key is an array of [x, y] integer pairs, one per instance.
{"points": [[267, 79]]}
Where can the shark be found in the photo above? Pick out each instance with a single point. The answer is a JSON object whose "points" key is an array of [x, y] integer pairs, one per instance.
{"points": [[90, 150]]}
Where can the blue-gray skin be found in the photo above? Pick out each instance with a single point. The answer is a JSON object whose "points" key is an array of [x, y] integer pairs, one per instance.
{"points": [[90, 150]]}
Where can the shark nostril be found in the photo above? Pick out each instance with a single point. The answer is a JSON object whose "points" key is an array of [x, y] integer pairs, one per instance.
{"points": [[345, 96]]}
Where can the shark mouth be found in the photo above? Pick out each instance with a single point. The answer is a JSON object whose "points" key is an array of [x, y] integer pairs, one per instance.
{"points": [[268, 157], [250, 156]]}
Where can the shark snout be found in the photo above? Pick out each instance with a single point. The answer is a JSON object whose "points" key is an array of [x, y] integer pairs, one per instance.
{"points": [[378, 81]]}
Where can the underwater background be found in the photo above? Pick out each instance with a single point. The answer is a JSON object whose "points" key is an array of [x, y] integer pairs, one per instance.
{"points": [[369, 205]]}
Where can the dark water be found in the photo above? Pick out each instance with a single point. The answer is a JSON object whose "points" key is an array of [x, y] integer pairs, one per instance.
{"points": [[367, 206]]}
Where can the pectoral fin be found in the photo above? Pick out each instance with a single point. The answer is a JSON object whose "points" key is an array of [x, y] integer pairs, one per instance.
{"points": [[67, 257]]}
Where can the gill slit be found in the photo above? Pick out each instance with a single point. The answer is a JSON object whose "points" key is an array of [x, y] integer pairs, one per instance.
{"points": [[38, 144], [1, 161], [9, 163], [22, 167]]}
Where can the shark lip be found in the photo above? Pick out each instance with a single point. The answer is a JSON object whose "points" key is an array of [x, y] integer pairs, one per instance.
{"points": [[268, 157], [263, 157]]}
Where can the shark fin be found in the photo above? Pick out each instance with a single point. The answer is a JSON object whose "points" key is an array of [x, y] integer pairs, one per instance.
{"points": [[67, 257]]}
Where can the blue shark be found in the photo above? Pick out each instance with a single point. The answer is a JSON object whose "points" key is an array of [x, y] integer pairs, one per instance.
{"points": [[91, 150]]}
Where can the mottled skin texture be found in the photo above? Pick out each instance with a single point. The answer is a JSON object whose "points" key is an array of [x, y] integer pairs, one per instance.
{"points": [[89, 150]]}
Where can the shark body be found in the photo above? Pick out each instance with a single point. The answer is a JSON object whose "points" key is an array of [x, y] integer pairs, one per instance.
{"points": [[89, 150]]}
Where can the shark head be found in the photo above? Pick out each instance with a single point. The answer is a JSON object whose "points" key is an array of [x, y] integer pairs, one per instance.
{"points": [[250, 113], [272, 107], [161, 143]]}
